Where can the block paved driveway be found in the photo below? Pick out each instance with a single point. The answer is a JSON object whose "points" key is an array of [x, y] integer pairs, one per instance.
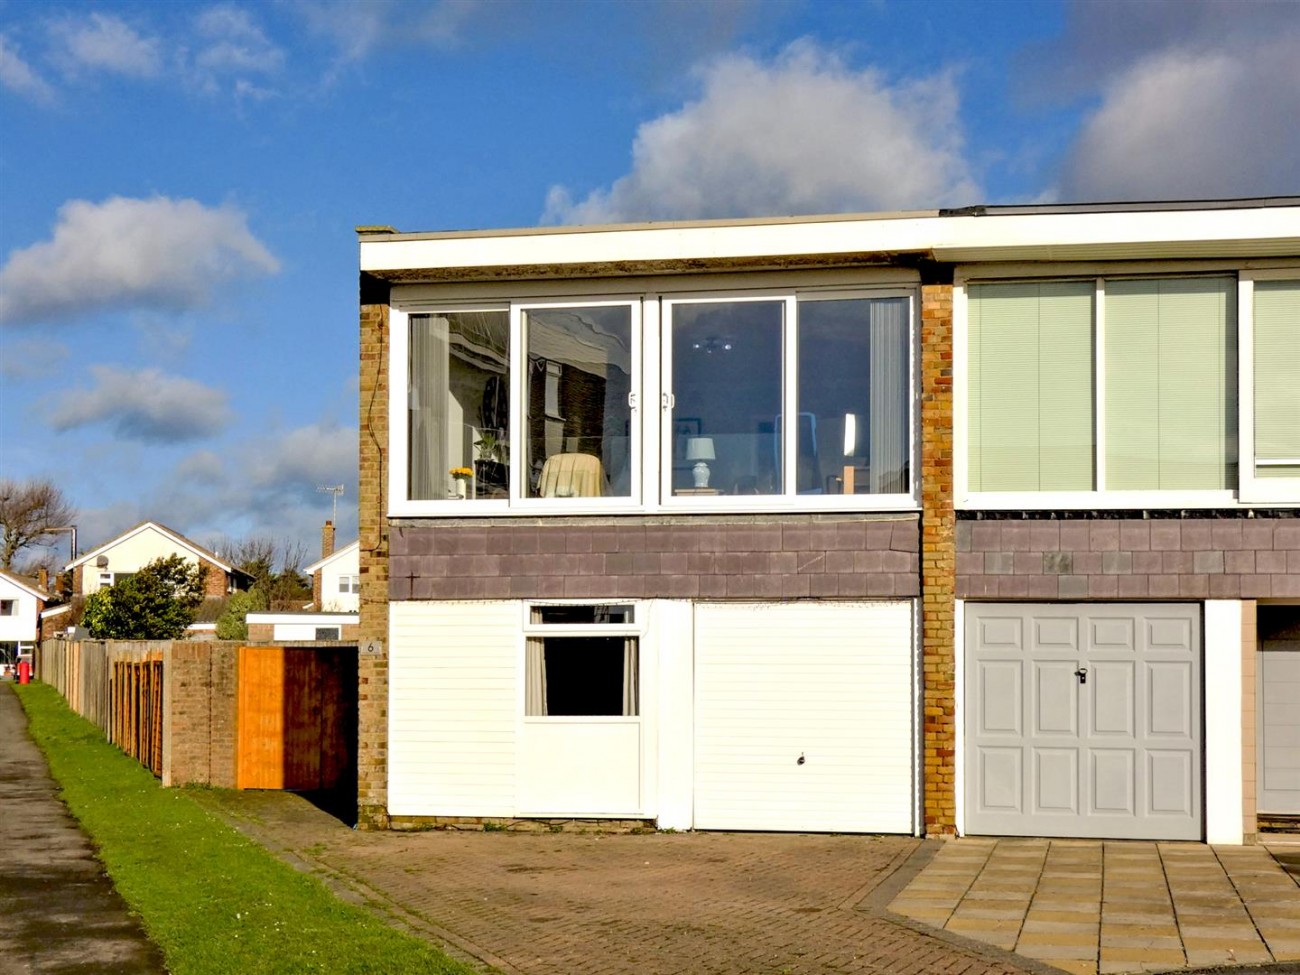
{"points": [[699, 903]]}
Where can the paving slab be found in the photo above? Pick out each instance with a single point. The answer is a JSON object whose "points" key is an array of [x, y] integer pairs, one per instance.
{"points": [[61, 914], [1131, 907]]}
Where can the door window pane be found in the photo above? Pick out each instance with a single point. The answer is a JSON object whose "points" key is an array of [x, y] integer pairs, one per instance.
{"points": [[1171, 392], [579, 420], [459, 405], [1277, 378], [726, 369], [1030, 388], [854, 395]]}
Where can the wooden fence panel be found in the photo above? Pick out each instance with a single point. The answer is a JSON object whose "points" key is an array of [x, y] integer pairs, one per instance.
{"points": [[259, 753], [297, 718]]}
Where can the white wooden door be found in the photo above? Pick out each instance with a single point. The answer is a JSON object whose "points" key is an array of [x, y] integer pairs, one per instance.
{"points": [[804, 716], [1084, 720]]}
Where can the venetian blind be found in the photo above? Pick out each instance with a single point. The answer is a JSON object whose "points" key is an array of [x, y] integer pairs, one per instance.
{"points": [[1170, 377], [1030, 386], [1277, 378]]}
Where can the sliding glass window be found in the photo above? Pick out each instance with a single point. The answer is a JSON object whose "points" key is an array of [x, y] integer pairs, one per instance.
{"points": [[1277, 379], [854, 397], [1102, 385], [840, 365], [578, 393], [458, 420]]}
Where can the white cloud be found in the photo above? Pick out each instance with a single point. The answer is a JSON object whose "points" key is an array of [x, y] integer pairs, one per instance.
{"points": [[1192, 122], [232, 44], [19, 76], [103, 42], [303, 458], [144, 405], [803, 134], [357, 29], [1182, 100], [162, 253]]}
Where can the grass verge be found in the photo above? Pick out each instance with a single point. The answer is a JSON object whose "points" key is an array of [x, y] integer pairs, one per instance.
{"points": [[213, 900]]}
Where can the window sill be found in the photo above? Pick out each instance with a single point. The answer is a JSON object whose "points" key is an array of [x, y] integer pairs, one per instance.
{"points": [[1107, 500]]}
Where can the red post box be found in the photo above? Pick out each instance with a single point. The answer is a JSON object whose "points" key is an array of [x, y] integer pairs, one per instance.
{"points": [[24, 671]]}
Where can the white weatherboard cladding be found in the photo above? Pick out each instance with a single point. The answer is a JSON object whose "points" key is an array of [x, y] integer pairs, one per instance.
{"points": [[1083, 720], [453, 705], [831, 682]]}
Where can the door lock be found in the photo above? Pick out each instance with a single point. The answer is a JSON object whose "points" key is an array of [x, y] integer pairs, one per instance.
{"points": [[1082, 674]]}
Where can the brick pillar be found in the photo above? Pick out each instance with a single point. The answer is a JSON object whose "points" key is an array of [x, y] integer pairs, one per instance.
{"points": [[372, 523], [938, 562]]}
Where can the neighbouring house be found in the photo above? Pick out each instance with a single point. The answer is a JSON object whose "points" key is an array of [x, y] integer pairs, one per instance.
{"points": [[332, 613], [336, 577], [132, 550], [1026, 560], [21, 603]]}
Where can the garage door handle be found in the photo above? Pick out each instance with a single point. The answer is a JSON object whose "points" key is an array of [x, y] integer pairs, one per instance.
{"points": [[1082, 674], [800, 760]]}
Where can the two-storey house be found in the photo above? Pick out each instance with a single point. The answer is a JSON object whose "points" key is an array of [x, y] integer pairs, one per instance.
{"points": [[951, 521]]}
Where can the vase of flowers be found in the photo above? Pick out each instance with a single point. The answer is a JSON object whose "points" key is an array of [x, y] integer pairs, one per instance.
{"points": [[460, 478]]}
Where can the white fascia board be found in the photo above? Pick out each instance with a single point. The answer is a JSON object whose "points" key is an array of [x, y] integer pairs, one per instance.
{"points": [[1258, 231]]}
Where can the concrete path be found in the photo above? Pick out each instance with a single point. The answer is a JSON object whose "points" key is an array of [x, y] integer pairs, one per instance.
{"points": [[59, 912], [1090, 907]]}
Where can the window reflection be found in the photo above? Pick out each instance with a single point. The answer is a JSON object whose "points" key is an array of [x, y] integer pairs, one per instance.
{"points": [[727, 387], [459, 405], [853, 397], [579, 418]]}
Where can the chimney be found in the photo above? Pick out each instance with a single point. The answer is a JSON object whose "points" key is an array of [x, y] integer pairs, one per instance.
{"points": [[327, 540], [43, 579]]}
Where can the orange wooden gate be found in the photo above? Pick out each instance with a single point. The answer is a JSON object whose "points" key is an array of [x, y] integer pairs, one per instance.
{"points": [[297, 718]]}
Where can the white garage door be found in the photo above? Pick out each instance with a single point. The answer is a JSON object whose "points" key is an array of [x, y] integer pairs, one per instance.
{"points": [[1084, 720], [804, 717]]}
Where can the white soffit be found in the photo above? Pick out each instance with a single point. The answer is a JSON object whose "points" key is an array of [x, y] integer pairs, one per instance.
{"points": [[1247, 232]]}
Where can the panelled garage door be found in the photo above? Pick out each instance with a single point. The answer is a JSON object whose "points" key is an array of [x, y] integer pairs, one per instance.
{"points": [[1084, 720], [804, 717]]}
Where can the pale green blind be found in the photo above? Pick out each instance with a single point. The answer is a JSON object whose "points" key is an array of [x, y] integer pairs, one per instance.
{"points": [[1171, 366], [1030, 386], [1277, 378]]}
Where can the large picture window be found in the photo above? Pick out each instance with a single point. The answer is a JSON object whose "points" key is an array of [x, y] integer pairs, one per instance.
{"points": [[840, 366], [1102, 385], [739, 402]]}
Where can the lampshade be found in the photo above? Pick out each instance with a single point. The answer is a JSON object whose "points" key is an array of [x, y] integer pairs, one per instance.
{"points": [[700, 448]]}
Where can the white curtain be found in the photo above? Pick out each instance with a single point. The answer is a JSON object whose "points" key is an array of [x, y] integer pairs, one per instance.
{"points": [[631, 684], [429, 387], [888, 450], [535, 678]]}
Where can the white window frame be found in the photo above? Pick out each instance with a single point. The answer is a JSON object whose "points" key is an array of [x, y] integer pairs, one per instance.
{"points": [[349, 584], [537, 631], [788, 500], [519, 501], [399, 364], [651, 380], [1279, 490], [965, 498]]}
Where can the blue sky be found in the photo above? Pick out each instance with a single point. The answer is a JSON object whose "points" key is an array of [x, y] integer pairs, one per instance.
{"points": [[179, 182]]}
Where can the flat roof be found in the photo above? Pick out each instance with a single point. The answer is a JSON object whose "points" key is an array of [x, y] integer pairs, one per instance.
{"points": [[1247, 228]]}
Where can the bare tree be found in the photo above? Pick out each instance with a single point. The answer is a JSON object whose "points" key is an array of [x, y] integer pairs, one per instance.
{"points": [[29, 512]]}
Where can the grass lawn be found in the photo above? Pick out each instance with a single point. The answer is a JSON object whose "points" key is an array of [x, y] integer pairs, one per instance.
{"points": [[213, 900]]}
